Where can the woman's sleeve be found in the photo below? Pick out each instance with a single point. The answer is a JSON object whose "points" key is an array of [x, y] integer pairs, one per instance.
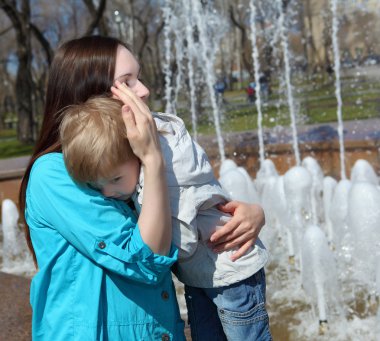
{"points": [[104, 230]]}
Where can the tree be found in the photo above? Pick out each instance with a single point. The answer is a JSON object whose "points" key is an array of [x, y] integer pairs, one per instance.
{"points": [[24, 84], [28, 89], [97, 20], [238, 22], [143, 24], [310, 11]]}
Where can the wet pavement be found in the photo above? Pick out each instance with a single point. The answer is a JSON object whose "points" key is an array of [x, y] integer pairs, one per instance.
{"points": [[15, 312]]}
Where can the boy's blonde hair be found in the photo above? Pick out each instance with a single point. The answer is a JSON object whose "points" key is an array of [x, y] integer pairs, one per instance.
{"points": [[94, 139]]}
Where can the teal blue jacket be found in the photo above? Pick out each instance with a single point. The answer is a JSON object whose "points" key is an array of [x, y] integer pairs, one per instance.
{"points": [[97, 279]]}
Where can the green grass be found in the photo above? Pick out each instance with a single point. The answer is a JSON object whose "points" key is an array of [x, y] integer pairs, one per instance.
{"points": [[244, 117], [13, 148], [10, 147], [316, 100], [7, 134]]}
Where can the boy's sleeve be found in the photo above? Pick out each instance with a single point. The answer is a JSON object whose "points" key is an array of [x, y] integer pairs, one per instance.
{"points": [[185, 237], [104, 230], [184, 223]]}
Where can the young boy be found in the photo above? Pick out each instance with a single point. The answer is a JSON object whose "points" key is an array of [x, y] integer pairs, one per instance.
{"points": [[229, 297]]}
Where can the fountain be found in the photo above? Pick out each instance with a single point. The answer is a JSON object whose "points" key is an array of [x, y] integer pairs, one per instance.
{"points": [[363, 221], [290, 97], [297, 183], [167, 14], [323, 280], [199, 20], [190, 53], [237, 182], [338, 211], [15, 254], [338, 86], [332, 246], [255, 58], [319, 277], [329, 185], [315, 219]]}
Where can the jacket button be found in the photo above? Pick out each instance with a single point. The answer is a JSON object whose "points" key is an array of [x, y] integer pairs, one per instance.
{"points": [[165, 337], [165, 295], [102, 245]]}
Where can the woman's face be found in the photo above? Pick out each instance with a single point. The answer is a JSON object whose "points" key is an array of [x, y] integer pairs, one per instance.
{"points": [[127, 70]]}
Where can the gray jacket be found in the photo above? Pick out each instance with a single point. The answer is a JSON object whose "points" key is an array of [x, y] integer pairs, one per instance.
{"points": [[194, 194]]}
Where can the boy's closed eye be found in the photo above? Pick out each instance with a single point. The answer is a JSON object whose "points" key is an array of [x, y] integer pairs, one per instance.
{"points": [[115, 180], [95, 186]]}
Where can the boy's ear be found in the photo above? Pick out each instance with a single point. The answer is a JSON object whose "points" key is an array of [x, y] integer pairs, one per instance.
{"points": [[125, 108]]}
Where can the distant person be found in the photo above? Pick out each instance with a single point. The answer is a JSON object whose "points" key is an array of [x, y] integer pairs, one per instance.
{"points": [[214, 282], [264, 86], [330, 71], [251, 92], [220, 87]]}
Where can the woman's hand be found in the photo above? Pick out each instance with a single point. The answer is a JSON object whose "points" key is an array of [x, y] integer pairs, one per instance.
{"points": [[141, 128], [154, 219], [241, 231]]}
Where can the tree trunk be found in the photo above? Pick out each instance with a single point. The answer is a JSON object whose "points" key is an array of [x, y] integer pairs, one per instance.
{"points": [[25, 128], [244, 44], [24, 84], [313, 55]]}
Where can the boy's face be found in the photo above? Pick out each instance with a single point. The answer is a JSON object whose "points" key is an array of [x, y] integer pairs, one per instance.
{"points": [[122, 182]]}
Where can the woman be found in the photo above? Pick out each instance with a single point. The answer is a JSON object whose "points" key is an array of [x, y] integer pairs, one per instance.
{"points": [[98, 275]]}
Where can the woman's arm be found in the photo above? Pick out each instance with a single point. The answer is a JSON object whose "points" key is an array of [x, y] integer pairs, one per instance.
{"points": [[154, 220], [102, 229], [241, 231]]}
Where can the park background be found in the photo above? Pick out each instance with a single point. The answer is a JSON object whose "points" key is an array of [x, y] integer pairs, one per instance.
{"points": [[31, 30]]}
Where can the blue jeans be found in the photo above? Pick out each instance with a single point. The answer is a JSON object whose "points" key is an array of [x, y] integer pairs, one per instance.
{"points": [[234, 313]]}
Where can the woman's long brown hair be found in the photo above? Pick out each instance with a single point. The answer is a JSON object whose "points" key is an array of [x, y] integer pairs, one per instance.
{"points": [[81, 68]]}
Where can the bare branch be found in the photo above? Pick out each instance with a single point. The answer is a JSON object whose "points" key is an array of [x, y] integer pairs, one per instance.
{"points": [[6, 30], [43, 41], [10, 10], [97, 15]]}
